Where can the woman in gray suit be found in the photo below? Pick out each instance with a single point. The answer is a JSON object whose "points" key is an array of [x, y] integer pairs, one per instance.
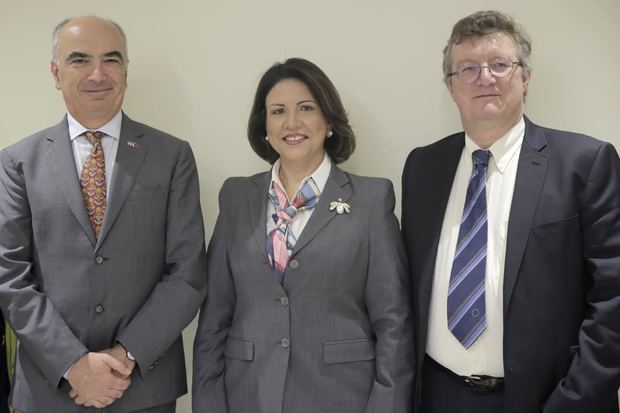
{"points": [[307, 309]]}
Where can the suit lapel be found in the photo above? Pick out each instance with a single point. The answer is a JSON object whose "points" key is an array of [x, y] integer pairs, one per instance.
{"points": [[257, 211], [530, 177], [65, 174], [438, 185], [337, 187], [132, 150]]}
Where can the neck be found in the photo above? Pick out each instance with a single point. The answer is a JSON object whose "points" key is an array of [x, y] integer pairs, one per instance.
{"points": [[293, 173], [92, 121], [486, 133]]}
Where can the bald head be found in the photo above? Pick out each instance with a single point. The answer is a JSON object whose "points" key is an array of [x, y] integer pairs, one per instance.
{"points": [[71, 21]]}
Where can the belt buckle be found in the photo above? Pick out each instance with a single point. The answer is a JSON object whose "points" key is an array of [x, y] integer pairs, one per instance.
{"points": [[484, 384]]}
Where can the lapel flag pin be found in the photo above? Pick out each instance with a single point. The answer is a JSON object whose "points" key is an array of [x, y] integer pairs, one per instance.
{"points": [[133, 145]]}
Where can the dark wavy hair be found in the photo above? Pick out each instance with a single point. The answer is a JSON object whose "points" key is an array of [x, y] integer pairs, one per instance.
{"points": [[339, 146]]}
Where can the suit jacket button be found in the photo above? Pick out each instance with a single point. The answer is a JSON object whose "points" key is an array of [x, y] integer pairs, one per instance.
{"points": [[99, 259], [294, 264], [285, 342], [284, 300], [99, 309]]}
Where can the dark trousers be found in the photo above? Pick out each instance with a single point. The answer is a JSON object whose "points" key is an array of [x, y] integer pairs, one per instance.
{"points": [[444, 392]]}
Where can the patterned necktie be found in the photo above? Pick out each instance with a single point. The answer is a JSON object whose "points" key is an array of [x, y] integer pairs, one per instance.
{"points": [[466, 298], [281, 240], [92, 179]]}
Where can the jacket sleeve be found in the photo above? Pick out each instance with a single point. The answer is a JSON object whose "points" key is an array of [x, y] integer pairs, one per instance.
{"points": [[389, 307], [593, 378], [208, 387], [41, 330], [174, 301]]}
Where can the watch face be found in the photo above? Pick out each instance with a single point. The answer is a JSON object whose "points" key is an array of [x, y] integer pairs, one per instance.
{"points": [[130, 356]]}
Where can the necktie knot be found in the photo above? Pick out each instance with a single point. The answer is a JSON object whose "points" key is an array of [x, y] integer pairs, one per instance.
{"points": [[481, 157], [94, 137], [286, 214]]}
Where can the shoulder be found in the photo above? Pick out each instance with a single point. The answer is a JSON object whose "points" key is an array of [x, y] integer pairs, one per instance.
{"points": [[240, 183], [369, 182], [234, 186], [566, 147], [371, 188], [151, 135], [31, 142], [436, 150], [30, 148]]}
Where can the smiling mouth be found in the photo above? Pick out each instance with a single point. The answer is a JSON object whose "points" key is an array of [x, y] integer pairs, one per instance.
{"points": [[491, 95], [294, 139], [97, 91]]}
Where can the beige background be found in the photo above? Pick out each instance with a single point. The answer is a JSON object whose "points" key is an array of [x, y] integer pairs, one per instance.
{"points": [[195, 65]]}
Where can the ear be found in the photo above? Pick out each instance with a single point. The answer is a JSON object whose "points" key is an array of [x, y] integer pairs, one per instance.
{"points": [[526, 80], [448, 83], [54, 71]]}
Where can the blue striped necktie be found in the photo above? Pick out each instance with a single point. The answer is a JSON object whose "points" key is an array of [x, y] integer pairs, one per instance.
{"points": [[467, 317]]}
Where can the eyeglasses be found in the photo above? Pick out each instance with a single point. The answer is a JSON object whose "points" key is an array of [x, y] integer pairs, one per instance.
{"points": [[469, 73]]}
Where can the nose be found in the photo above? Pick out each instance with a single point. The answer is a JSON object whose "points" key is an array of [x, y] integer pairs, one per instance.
{"points": [[292, 120], [486, 78], [97, 74]]}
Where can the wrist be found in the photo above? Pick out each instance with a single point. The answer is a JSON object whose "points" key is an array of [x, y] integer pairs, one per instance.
{"points": [[128, 354]]}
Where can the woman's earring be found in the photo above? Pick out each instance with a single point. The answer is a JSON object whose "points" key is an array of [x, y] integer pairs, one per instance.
{"points": [[329, 133]]}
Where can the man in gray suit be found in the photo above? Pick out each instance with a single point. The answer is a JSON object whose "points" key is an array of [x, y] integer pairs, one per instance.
{"points": [[102, 255]]}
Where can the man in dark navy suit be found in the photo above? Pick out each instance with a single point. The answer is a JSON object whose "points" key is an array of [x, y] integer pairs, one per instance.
{"points": [[513, 233]]}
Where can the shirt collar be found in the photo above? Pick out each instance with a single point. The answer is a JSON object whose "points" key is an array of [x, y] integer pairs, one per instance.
{"points": [[319, 176], [111, 129], [504, 149]]}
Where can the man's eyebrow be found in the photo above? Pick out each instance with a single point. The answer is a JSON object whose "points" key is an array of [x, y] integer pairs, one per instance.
{"points": [[76, 55], [116, 54]]}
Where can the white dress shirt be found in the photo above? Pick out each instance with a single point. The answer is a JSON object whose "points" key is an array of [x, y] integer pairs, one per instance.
{"points": [[109, 142], [485, 356], [319, 176]]}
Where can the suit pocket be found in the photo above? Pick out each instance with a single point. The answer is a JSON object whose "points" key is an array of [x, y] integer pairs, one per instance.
{"points": [[140, 192], [347, 351], [239, 348], [549, 228]]}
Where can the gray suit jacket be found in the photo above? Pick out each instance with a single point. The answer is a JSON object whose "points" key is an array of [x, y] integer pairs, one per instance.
{"points": [[65, 292], [336, 337]]}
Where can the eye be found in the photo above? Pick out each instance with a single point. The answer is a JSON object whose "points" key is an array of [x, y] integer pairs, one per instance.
{"points": [[78, 61], [306, 108], [500, 66], [112, 60], [469, 69], [277, 111]]}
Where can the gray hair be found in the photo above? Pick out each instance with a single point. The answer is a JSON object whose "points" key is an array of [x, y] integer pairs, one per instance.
{"points": [[483, 23], [62, 24]]}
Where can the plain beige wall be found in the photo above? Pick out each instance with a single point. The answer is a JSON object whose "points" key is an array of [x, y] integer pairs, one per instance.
{"points": [[195, 65]]}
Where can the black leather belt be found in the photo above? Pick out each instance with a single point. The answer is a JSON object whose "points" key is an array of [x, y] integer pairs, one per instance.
{"points": [[484, 384], [479, 383]]}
